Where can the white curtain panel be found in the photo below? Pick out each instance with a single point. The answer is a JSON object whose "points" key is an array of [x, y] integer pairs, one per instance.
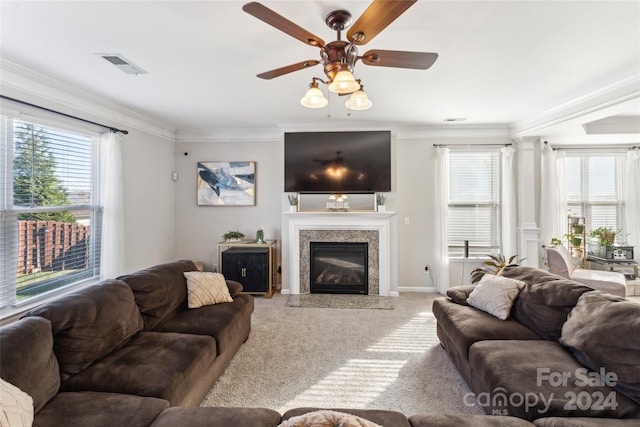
{"points": [[112, 250], [553, 194], [633, 198], [508, 204], [441, 235]]}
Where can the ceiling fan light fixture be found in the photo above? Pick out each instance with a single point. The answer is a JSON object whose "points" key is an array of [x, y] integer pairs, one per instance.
{"points": [[358, 101], [314, 98], [344, 82]]}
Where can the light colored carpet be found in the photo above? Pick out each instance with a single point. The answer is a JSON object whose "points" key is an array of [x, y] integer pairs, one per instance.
{"points": [[341, 301], [348, 358]]}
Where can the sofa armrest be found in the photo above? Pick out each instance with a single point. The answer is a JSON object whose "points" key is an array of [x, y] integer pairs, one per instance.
{"points": [[234, 288], [460, 294]]}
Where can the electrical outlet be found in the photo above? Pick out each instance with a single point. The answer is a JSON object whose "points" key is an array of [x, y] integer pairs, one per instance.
{"points": [[426, 268]]}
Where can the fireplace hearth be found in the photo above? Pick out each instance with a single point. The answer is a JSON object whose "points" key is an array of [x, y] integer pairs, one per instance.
{"points": [[339, 267]]}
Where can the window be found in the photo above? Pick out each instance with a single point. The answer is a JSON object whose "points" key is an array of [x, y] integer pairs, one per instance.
{"points": [[474, 202], [50, 210], [595, 189]]}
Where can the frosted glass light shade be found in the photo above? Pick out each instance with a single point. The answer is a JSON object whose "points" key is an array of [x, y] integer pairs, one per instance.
{"points": [[358, 101], [344, 82], [314, 98]]}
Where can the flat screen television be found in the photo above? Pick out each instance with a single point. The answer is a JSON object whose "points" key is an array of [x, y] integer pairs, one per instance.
{"points": [[337, 162]]}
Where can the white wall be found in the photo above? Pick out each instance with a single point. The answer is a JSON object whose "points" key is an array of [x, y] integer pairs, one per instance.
{"points": [[200, 228], [149, 200]]}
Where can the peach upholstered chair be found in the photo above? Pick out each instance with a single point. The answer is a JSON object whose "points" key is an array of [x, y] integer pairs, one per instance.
{"points": [[561, 263]]}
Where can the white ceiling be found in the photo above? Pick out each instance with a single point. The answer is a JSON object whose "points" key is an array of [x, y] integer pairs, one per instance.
{"points": [[500, 63]]}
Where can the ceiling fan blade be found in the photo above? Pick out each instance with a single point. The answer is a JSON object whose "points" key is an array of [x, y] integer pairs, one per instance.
{"points": [[376, 18], [399, 59], [268, 75], [267, 15]]}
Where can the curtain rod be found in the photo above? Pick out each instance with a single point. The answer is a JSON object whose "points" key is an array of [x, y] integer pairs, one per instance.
{"points": [[473, 145], [111, 128], [598, 147]]}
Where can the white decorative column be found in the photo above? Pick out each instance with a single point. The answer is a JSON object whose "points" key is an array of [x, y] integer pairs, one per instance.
{"points": [[528, 191]]}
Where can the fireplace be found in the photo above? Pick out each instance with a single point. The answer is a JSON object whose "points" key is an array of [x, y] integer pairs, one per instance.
{"points": [[302, 228], [339, 268]]}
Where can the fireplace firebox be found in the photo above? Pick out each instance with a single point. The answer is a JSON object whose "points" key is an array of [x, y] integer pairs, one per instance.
{"points": [[339, 268]]}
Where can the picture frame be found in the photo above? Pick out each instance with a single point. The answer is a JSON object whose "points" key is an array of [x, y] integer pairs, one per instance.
{"points": [[222, 183]]}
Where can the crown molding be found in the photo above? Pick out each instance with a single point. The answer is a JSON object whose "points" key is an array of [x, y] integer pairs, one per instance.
{"points": [[608, 100], [229, 134], [474, 133], [30, 86]]}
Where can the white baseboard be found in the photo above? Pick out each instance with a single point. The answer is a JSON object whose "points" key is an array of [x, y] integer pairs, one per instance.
{"points": [[424, 289]]}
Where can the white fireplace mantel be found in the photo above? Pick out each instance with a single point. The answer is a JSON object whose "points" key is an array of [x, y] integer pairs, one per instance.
{"points": [[295, 222]]}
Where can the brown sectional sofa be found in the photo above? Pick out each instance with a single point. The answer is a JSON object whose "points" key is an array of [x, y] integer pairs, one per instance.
{"points": [[543, 363], [127, 352], [124, 349]]}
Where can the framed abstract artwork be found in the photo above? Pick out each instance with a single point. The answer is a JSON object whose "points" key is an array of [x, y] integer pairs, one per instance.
{"points": [[226, 184]]}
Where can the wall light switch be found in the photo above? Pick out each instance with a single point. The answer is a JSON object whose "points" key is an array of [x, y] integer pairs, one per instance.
{"points": [[407, 220]]}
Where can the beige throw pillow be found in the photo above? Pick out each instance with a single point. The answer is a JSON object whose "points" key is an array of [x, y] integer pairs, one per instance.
{"points": [[327, 418], [205, 288], [16, 406], [495, 295]]}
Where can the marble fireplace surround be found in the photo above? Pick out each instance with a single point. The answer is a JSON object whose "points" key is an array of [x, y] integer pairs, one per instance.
{"points": [[373, 228]]}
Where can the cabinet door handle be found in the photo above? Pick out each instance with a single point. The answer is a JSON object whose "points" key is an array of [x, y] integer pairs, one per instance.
{"points": [[244, 272]]}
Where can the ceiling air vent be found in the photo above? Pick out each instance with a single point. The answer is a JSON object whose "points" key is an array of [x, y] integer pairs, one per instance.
{"points": [[122, 64]]}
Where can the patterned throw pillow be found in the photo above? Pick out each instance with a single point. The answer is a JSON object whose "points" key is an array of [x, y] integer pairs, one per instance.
{"points": [[206, 289], [495, 295], [16, 406], [326, 418]]}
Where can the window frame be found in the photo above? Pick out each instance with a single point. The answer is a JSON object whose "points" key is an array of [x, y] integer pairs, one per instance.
{"points": [[493, 246], [584, 206], [10, 305]]}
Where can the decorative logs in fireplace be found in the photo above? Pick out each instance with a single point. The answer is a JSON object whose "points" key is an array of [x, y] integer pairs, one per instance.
{"points": [[339, 268]]}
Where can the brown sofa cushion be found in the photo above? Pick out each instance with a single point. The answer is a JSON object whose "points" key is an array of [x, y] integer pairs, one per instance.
{"points": [[27, 359], [603, 332], [446, 420], [584, 422], [545, 301], [226, 322], [160, 291], [90, 409], [157, 364], [466, 325], [217, 417], [91, 323], [520, 370]]}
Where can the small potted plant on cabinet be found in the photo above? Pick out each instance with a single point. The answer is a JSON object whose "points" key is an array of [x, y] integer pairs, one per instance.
{"points": [[602, 238], [233, 236]]}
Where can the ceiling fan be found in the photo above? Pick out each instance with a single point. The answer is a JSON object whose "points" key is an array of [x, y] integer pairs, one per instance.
{"points": [[340, 56]]}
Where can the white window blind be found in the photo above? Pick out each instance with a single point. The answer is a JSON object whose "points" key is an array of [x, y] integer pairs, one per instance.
{"points": [[50, 210], [595, 189], [474, 205]]}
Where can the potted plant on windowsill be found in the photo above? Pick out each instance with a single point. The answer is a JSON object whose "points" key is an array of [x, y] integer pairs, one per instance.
{"points": [[494, 265]]}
